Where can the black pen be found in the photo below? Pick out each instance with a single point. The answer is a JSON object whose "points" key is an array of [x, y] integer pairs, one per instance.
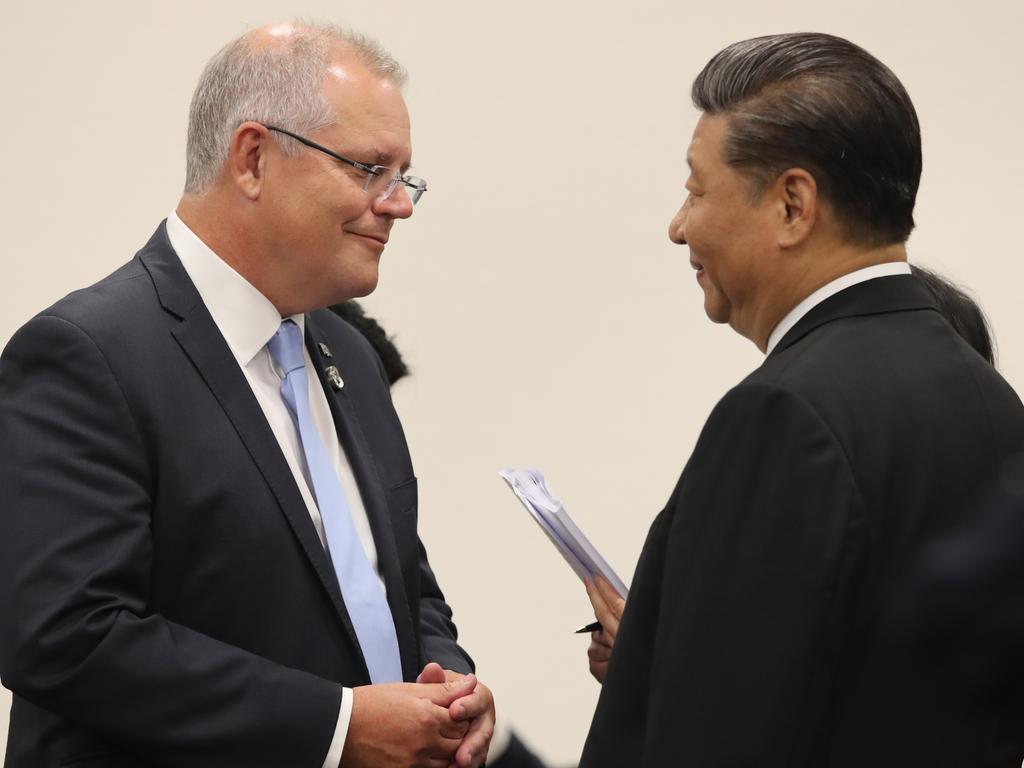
{"points": [[594, 626]]}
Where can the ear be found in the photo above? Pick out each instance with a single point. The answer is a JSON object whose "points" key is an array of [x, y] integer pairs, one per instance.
{"points": [[247, 155], [797, 195]]}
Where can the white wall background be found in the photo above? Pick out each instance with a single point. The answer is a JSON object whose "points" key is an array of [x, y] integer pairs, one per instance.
{"points": [[547, 318]]}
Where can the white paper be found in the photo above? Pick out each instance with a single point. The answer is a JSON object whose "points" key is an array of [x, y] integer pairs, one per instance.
{"points": [[531, 489]]}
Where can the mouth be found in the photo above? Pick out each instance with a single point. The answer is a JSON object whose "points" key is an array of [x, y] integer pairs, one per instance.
{"points": [[699, 267], [379, 239]]}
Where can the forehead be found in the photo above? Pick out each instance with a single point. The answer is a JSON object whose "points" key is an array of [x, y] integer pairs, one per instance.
{"points": [[707, 142], [371, 112]]}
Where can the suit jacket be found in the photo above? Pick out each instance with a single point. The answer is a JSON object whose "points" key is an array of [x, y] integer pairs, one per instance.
{"points": [[962, 604], [164, 597], [755, 630]]}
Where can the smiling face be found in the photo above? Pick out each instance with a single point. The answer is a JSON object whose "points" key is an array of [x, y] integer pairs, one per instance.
{"points": [[730, 236], [326, 234]]}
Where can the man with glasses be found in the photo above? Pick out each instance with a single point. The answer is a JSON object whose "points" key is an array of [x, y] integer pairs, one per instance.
{"points": [[208, 550]]}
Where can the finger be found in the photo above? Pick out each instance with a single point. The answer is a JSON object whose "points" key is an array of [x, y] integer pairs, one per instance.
{"points": [[443, 736], [432, 673], [443, 694], [597, 652], [471, 706], [602, 611], [594, 594], [601, 638], [451, 674], [611, 596], [453, 729], [443, 751], [605, 614], [473, 750]]}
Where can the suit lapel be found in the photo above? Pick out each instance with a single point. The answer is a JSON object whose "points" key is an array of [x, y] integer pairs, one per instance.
{"points": [[374, 496], [202, 342]]}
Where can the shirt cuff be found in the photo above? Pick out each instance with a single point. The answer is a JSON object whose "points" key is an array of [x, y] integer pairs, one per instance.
{"points": [[333, 758]]}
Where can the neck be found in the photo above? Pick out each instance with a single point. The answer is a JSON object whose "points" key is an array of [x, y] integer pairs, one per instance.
{"points": [[806, 273], [213, 222]]}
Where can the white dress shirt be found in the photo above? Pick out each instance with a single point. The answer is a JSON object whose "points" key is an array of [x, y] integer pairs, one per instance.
{"points": [[247, 320], [831, 289]]}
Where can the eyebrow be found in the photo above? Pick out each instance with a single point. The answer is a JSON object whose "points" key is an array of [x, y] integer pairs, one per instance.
{"points": [[385, 158]]}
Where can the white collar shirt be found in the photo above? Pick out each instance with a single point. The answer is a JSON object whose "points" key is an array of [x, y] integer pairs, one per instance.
{"points": [[247, 320], [831, 289]]}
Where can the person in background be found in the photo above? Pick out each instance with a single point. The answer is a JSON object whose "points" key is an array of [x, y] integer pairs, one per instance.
{"points": [[754, 634], [352, 312], [960, 311]]}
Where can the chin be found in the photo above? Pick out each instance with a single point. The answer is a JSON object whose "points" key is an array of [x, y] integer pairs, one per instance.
{"points": [[716, 309], [357, 286]]}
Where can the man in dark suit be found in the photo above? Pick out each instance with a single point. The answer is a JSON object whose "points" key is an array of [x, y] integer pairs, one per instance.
{"points": [[208, 546], [753, 632]]}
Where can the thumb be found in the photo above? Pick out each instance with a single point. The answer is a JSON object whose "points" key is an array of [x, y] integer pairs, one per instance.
{"points": [[432, 673], [443, 694], [611, 595]]}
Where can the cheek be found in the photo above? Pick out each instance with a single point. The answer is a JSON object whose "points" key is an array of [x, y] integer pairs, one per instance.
{"points": [[716, 232], [698, 228], [350, 198]]}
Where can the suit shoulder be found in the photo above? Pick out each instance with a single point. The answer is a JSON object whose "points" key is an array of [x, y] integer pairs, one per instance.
{"points": [[757, 396], [116, 299], [848, 363], [770, 413], [101, 316]]}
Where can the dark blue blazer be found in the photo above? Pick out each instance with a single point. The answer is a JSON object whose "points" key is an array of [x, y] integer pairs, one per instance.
{"points": [[164, 597]]}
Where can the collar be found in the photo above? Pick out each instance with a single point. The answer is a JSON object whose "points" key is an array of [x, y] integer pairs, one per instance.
{"points": [[244, 316], [831, 289]]}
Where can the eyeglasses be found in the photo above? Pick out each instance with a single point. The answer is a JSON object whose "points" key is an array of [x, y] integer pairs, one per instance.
{"points": [[378, 182]]}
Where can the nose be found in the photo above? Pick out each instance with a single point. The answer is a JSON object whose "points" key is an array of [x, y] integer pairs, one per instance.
{"points": [[677, 227], [397, 205]]}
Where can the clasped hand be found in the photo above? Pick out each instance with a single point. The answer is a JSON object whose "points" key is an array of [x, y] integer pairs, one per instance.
{"points": [[443, 719]]}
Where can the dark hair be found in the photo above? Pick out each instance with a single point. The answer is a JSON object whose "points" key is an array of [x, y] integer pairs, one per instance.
{"points": [[352, 313], [821, 103], [960, 311]]}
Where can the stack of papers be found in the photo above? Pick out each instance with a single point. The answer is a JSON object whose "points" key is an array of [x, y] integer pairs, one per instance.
{"points": [[579, 553]]}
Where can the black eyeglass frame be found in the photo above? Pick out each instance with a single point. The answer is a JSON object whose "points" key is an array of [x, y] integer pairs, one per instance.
{"points": [[415, 186]]}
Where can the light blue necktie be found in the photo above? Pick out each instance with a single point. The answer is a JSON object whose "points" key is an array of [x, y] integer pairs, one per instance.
{"points": [[367, 606]]}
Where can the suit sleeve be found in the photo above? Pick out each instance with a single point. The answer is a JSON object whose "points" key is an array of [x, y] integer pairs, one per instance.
{"points": [[438, 632], [763, 545], [77, 637]]}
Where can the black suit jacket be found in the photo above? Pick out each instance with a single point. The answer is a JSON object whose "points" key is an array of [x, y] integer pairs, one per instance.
{"points": [[754, 633], [164, 597]]}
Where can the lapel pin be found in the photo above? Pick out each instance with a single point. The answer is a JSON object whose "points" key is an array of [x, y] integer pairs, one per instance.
{"points": [[334, 378], [324, 349]]}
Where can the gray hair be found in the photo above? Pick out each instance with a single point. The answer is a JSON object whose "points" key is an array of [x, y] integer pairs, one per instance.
{"points": [[274, 85], [821, 103]]}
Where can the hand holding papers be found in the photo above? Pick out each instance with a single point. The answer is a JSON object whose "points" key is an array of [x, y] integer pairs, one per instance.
{"points": [[579, 553]]}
